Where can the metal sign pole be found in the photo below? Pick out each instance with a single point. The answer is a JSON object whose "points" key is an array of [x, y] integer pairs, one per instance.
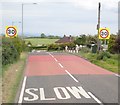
{"points": [[98, 27]]}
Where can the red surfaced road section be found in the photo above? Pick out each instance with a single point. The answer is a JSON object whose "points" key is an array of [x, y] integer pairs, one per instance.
{"points": [[43, 65], [77, 65], [46, 65]]}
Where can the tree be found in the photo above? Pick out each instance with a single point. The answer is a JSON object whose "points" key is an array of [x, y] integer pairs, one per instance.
{"points": [[92, 39], [81, 40], [43, 35], [116, 47], [112, 43]]}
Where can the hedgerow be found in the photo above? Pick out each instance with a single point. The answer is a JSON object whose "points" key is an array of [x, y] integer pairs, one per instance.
{"points": [[11, 49]]}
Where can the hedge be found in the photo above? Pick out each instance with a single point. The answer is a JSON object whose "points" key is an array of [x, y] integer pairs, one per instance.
{"points": [[11, 49]]}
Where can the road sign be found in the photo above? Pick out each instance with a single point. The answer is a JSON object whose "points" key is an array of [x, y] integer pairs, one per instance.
{"points": [[104, 33], [11, 31]]}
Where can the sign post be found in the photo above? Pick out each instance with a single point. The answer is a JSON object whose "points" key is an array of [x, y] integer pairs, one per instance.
{"points": [[11, 31]]}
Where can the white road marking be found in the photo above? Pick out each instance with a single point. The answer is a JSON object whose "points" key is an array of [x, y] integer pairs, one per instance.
{"points": [[55, 59], [95, 98], [65, 70], [71, 76], [61, 65], [117, 75], [22, 90], [38, 51], [51, 55]]}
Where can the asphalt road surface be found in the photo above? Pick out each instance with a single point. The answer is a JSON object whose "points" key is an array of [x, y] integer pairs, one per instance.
{"points": [[52, 77]]}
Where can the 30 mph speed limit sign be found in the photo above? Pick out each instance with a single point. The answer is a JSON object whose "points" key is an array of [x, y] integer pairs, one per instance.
{"points": [[11, 31], [104, 33]]}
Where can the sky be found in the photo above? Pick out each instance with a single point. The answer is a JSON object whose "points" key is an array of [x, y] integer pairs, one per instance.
{"points": [[59, 17]]}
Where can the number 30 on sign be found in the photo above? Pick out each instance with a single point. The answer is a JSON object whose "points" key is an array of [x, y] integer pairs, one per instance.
{"points": [[11, 31], [104, 33]]}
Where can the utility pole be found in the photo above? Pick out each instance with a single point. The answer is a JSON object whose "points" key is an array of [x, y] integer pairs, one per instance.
{"points": [[98, 27], [23, 17], [22, 22]]}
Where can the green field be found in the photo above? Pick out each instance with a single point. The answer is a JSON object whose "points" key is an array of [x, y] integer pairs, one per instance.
{"points": [[40, 41]]}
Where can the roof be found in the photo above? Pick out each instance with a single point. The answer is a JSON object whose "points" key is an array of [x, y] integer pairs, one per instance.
{"points": [[65, 39]]}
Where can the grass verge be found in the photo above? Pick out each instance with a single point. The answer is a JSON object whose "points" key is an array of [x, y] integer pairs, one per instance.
{"points": [[110, 64], [11, 79]]}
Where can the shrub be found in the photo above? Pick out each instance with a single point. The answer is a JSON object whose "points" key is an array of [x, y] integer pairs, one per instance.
{"points": [[53, 47], [11, 49], [85, 50], [43, 47], [103, 56], [62, 46]]}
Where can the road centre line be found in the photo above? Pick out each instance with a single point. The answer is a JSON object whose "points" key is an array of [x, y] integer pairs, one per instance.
{"points": [[71, 76], [55, 59], [61, 65], [22, 90], [65, 70], [95, 98], [51, 55]]}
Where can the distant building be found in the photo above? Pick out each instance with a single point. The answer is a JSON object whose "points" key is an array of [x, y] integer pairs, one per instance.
{"points": [[65, 39]]}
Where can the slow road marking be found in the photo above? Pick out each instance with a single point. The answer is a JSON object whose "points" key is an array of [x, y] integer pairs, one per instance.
{"points": [[61, 93]]}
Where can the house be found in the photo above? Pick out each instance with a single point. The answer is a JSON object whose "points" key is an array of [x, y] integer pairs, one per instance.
{"points": [[65, 39]]}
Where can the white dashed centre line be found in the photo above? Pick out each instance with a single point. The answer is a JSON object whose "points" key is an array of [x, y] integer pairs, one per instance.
{"points": [[65, 70], [95, 98], [61, 65], [71, 76], [22, 90], [56, 60]]}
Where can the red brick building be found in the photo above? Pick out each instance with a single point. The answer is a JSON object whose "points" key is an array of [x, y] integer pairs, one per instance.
{"points": [[65, 39]]}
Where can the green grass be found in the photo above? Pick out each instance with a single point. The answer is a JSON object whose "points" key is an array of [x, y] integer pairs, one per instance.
{"points": [[40, 41], [110, 64], [11, 82]]}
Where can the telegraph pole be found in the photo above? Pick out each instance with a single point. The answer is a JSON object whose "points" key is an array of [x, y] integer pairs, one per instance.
{"points": [[98, 27], [22, 22]]}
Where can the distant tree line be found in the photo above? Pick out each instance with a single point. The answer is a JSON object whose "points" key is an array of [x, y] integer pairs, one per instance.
{"points": [[87, 40], [42, 35]]}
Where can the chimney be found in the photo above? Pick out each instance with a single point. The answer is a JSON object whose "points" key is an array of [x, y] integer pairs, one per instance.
{"points": [[70, 38], [64, 35]]}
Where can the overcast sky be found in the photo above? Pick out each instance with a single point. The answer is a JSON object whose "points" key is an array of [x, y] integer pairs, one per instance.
{"points": [[59, 17]]}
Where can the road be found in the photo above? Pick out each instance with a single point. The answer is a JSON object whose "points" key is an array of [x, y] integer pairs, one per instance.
{"points": [[52, 77]]}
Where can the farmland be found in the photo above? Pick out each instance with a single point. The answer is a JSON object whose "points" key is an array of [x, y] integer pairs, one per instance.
{"points": [[40, 41]]}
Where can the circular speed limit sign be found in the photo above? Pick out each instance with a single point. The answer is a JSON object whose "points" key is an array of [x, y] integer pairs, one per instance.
{"points": [[104, 33], [11, 31]]}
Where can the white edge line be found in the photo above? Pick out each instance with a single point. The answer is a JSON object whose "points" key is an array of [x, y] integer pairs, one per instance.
{"points": [[22, 90], [96, 99], [60, 65], [117, 75], [72, 76]]}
